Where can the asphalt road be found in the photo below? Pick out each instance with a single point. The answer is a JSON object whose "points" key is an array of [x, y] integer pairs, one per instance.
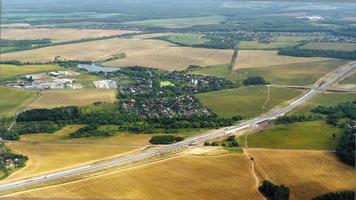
{"points": [[322, 86]]}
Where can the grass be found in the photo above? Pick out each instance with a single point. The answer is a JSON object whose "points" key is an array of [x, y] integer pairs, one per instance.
{"points": [[12, 71], [301, 135], [247, 101], [178, 177], [166, 83], [255, 45], [12, 99], [87, 79], [294, 38], [307, 173], [248, 59], [59, 98], [215, 70], [293, 74], [57, 34], [187, 39], [338, 46], [140, 52], [326, 99], [180, 22]]}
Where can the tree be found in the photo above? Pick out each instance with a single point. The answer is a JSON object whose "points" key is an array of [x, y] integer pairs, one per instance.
{"points": [[345, 195], [274, 192]]}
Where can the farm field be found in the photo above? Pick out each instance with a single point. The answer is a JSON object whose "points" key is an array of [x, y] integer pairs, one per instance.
{"points": [[56, 34], [255, 45], [307, 173], [293, 74], [247, 101], [187, 39], [59, 98], [225, 177], [12, 99], [247, 59], [11, 71], [49, 157], [330, 46], [326, 99], [149, 53], [179, 22], [294, 38], [301, 135]]}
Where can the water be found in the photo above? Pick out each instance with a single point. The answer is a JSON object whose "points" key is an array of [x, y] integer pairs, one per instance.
{"points": [[96, 68]]}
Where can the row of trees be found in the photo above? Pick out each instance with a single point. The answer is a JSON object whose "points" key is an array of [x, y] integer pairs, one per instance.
{"points": [[298, 118], [350, 55], [165, 139], [89, 131]]}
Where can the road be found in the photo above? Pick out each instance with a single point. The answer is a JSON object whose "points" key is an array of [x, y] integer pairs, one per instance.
{"points": [[321, 86]]}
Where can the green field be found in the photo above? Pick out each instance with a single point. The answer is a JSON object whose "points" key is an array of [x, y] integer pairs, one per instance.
{"points": [[11, 99], [11, 71], [293, 74], [216, 70], [247, 101], [326, 99], [166, 83], [301, 135], [338, 46], [187, 39], [255, 45], [179, 22], [87, 79]]}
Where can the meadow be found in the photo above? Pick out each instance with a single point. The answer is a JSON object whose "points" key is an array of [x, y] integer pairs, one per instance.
{"points": [[12, 71], [225, 177], [142, 52], [293, 74], [222, 70], [57, 34], [301, 135], [187, 39], [179, 22], [307, 173], [330, 46], [12, 99], [247, 59], [247, 101], [59, 98]]}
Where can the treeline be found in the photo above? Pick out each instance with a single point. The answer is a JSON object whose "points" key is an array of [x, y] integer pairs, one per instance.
{"points": [[345, 150], [344, 195], [56, 114], [298, 52], [274, 192], [254, 80], [165, 139], [8, 46], [298, 118], [35, 127], [8, 135]]}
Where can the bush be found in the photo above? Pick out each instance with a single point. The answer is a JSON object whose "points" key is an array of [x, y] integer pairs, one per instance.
{"points": [[36, 127], [345, 195], [165, 139], [9, 135], [274, 192], [89, 131], [346, 147], [254, 80]]}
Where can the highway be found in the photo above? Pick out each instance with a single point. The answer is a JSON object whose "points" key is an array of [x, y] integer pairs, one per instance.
{"points": [[322, 86]]}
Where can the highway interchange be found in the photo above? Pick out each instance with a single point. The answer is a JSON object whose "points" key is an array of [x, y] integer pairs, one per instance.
{"points": [[338, 74]]}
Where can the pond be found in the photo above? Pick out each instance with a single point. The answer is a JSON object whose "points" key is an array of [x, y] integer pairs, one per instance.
{"points": [[97, 68]]}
